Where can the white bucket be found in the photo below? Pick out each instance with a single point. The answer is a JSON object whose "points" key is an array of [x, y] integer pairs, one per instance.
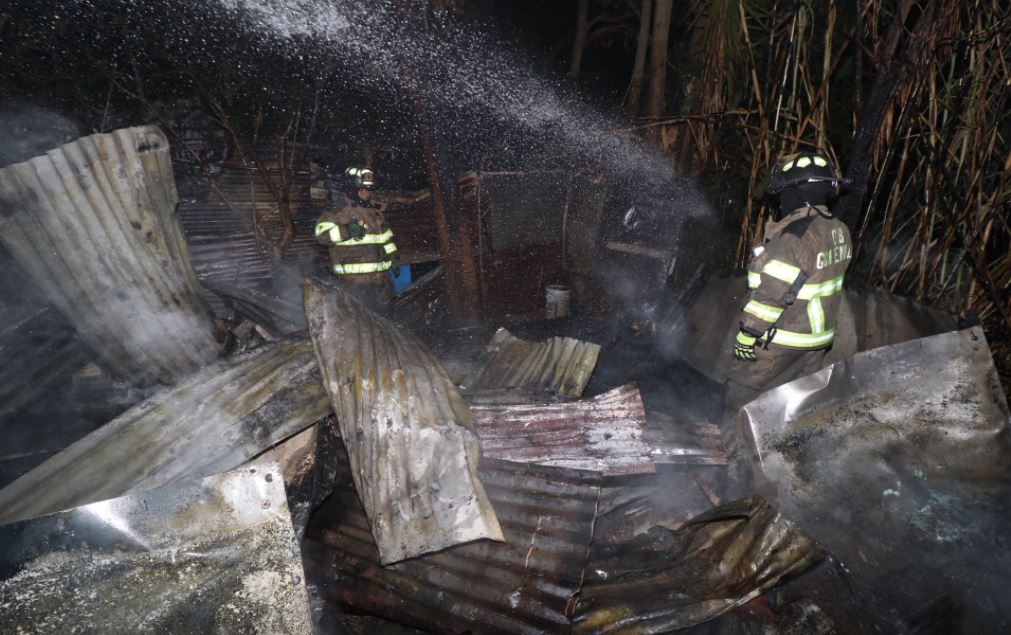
{"points": [[556, 301]]}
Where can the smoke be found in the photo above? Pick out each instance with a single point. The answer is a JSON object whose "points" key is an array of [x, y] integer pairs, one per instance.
{"points": [[27, 131]]}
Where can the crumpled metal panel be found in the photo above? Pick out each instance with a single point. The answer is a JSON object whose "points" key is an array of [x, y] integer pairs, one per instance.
{"points": [[410, 436], [898, 461], [663, 581], [211, 556], [558, 364], [219, 418], [93, 224], [603, 434], [523, 585]]}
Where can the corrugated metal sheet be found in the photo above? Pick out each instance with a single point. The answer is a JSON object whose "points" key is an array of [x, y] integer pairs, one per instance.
{"points": [[523, 585], [93, 224], [214, 421], [220, 235], [411, 438], [664, 581], [558, 364], [214, 556], [603, 434]]}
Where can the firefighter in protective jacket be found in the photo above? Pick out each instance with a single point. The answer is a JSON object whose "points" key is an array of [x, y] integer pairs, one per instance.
{"points": [[795, 278], [361, 246]]}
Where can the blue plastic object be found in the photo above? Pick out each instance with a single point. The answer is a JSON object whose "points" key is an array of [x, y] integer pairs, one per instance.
{"points": [[402, 278]]}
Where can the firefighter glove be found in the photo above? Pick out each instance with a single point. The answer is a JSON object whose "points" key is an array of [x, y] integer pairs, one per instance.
{"points": [[356, 229], [744, 347]]}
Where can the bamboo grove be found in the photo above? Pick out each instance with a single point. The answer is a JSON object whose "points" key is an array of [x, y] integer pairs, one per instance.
{"points": [[909, 98]]}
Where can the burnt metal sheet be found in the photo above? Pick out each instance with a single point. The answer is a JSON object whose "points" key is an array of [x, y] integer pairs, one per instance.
{"points": [[603, 434], [93, 224], [216, 555], [868, 318], [214, 421], [525, 584], [897, 460], [411, 439], [663, 581], [676, 442], [557, 364]]}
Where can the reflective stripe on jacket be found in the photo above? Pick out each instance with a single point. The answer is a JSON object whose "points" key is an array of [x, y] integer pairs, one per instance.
{"points": [[807, 240], [372, 253]]}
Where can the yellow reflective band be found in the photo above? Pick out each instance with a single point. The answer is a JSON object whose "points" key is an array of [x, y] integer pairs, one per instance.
{"points": [[361, 267], [390, 247], [754, 279], [803, 162], [789, 164], [781, 271], [816, 315], [803, 340], [821, 289], [747, 340], [820, 162], [367, 239], [324, 226], [763, 311]]}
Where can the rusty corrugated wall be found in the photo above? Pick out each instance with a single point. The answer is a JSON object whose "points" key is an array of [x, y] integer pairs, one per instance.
{"points": [[603, 434], [523, 585], [411, 439], [214, 421], [557, 364], [93, 224]]}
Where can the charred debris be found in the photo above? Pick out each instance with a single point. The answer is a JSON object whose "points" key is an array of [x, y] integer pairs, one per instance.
{"points": [[206, 431]]}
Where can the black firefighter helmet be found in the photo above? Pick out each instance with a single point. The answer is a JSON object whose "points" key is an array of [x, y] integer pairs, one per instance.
{"points": [[805, 169]]}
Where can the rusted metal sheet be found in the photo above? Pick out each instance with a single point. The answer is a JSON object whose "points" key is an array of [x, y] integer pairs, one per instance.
{"points": [[93, 224], [523, 585], [898, 461], [603, 434], [664, 581], [214, 421], [558, 364], [411, 439], [211, 556], [676, 442]]}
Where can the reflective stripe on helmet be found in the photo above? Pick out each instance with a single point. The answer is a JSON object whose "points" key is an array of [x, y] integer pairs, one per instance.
{"points": [[803, 340], [361, 267], [781, 271], [763, 311], [820, 161]]}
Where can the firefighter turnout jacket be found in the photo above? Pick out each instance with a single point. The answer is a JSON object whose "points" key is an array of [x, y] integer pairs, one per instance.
{"points": [[796, 280], [358, 238]]}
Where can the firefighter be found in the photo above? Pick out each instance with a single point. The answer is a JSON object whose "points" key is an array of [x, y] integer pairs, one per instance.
{"points": [[360, 243], [795, 279]]}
